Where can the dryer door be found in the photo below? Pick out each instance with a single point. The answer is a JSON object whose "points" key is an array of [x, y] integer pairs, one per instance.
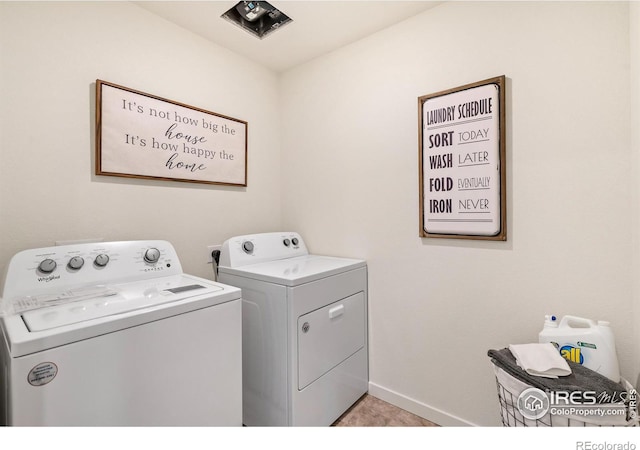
{"points": [[328, 336]]}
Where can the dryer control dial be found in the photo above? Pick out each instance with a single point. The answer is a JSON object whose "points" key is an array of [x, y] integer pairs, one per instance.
{"points": [[75, 263], [47, 265], [247, 246], [152, 255]]}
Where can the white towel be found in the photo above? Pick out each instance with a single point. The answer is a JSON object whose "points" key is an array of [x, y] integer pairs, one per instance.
{"points": [[542, 360]]}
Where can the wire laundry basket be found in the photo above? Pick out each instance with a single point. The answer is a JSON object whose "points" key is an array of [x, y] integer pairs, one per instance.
{"points": [[509, 390]]}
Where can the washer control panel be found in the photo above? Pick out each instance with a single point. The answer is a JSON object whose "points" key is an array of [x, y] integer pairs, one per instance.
{"points": [[65, 266], [256, 248]]}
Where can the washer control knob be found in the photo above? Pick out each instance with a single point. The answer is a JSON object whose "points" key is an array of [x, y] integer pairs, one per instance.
{"points": [[47, 265], [247, 246], [286, 242], [294, 241], [152, 255], [101, 260], [75, 263]]}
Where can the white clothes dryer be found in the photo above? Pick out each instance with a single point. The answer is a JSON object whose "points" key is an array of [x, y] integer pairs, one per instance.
{"points": [[305, 346], [114, 333]]}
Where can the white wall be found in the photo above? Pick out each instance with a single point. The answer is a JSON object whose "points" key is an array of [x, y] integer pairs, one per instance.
{"points": [[52, 53], [347, 177], [350, 150], [634, 25]]}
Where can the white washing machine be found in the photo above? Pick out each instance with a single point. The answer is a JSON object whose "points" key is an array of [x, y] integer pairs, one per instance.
{"points": [[113, 333], [305, 352]]}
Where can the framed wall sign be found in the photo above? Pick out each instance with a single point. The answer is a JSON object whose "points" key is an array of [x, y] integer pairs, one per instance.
{"points": [[462, 162], [140, 135]]}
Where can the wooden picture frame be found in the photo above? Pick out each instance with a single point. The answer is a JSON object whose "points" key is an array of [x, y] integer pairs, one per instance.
{"points": [[139, 135], [462, 146]]}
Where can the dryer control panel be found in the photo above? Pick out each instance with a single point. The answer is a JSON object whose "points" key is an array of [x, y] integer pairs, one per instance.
{"points": [[258, 248], [54, 269]]}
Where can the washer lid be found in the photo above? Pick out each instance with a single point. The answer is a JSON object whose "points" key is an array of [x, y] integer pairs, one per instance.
{"points": [[124, 305], [117, 300], [296, 271]]}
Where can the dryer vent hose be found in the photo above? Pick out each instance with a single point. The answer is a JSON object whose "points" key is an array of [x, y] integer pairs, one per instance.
{"points": [[215, 260]]}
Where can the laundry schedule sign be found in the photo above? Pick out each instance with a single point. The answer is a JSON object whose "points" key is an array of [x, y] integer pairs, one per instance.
{"points": [[462, 152], [139, 135]]}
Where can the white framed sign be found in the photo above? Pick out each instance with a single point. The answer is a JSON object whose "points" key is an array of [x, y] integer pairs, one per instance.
{"points": [[462, 162], [139, 135]]}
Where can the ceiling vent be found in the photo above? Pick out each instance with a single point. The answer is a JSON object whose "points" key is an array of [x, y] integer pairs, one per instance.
{"points": [[258, 18]]}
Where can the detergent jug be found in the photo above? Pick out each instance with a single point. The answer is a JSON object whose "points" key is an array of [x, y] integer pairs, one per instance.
{"points": [[585, 342]]}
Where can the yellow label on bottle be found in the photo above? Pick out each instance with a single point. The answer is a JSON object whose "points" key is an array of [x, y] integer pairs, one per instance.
{"points": [[571, 353]]}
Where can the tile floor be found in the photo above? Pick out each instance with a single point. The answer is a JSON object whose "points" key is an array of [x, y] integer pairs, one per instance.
{"points": [[370, 411]]}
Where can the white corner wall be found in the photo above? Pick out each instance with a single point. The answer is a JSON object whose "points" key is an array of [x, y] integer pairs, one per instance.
{"points": [[350, 151], [52, 53]]}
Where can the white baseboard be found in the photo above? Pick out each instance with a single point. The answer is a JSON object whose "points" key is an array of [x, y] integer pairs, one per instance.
{"points": [[423, 410]]}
